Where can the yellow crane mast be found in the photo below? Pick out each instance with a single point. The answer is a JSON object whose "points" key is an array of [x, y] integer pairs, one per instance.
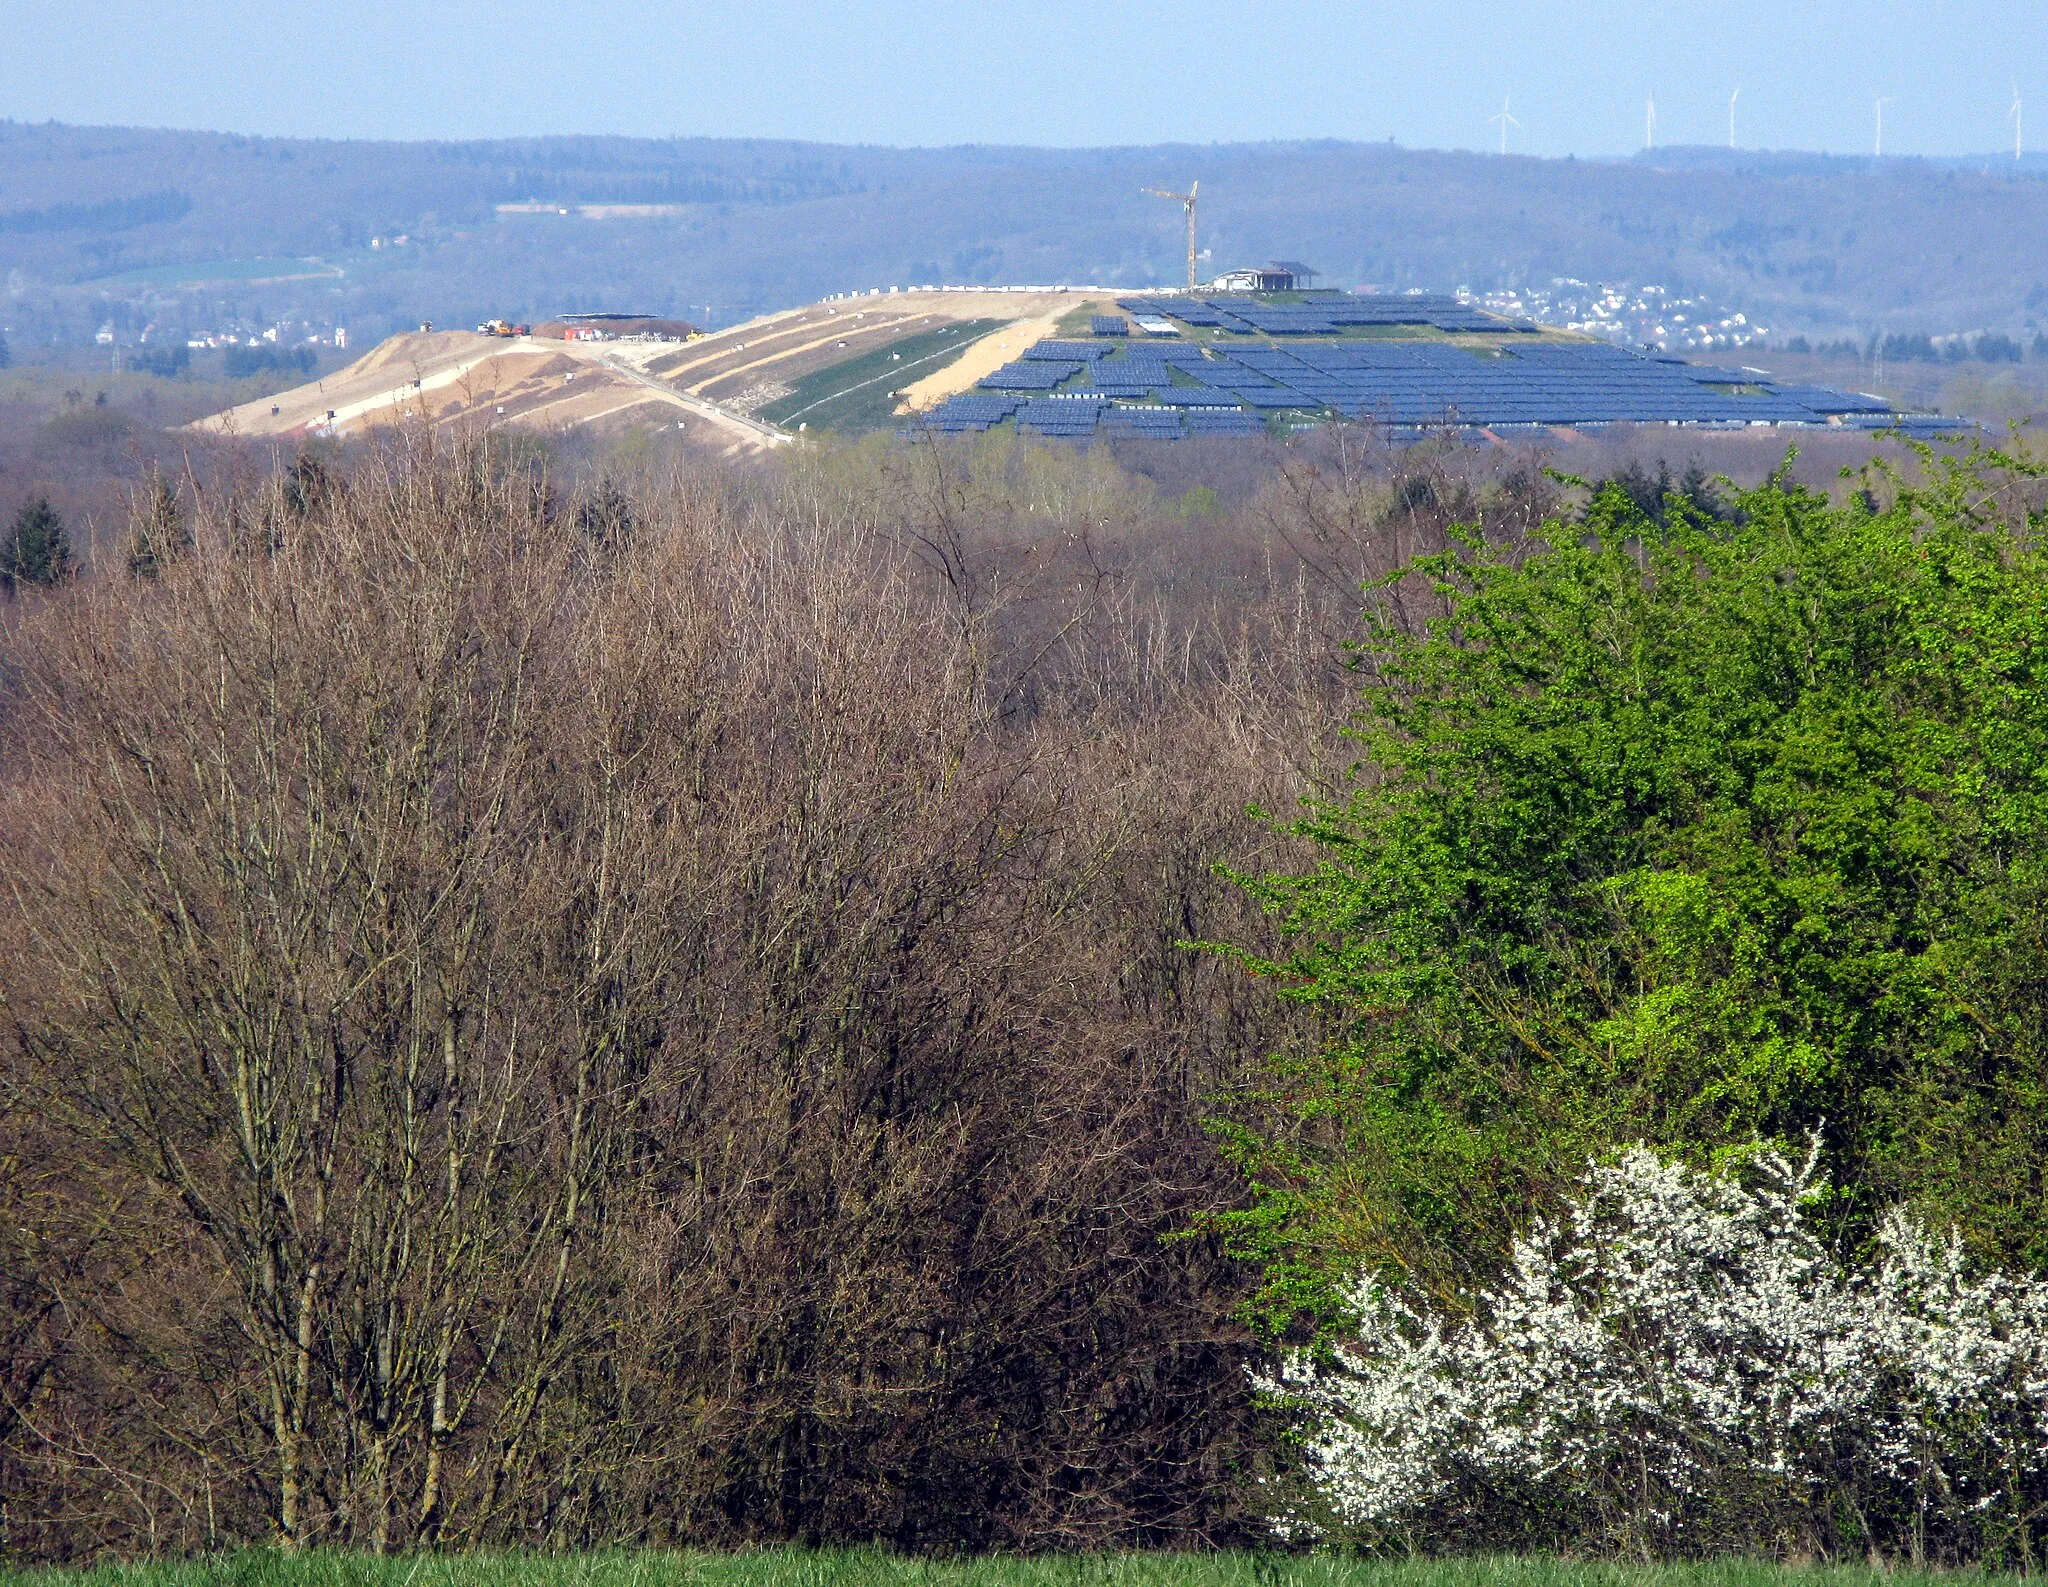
{"points": [[1188, 199]]}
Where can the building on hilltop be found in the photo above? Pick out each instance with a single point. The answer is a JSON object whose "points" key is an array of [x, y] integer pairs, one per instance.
{"points": [[1277, 275]]}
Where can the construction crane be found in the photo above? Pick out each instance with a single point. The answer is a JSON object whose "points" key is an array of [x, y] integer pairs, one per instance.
{"points": [[1188, 199]]}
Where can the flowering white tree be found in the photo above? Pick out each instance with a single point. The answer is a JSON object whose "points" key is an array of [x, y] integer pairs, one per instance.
{"points": [[1679, 1362]]}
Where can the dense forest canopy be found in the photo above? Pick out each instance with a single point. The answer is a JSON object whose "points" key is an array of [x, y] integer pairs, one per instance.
{"points": [[688, 1007]]}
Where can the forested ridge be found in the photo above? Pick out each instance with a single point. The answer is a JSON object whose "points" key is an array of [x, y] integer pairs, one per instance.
{"points": [[1823, 246], [949, 996]]}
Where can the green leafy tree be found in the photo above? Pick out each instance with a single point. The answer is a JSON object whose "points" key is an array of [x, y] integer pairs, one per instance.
{"points": [[1683, 829], [36, 549]]}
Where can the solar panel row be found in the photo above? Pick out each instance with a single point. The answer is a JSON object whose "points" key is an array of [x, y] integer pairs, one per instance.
{"points": [[1029, 375], [1322, 314], [1068, 351]]}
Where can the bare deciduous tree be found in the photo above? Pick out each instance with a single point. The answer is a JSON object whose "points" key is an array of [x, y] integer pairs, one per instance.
{"points": [[692, 1042]]}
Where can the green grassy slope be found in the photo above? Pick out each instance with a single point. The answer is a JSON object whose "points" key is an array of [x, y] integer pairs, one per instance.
{"points": [[854, 396]]}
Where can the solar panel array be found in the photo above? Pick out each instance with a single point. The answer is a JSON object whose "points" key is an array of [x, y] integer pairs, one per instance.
{"points": [[1823, 399], [1031, 374], [1155, 424], [1067, 416], [1069, 351], [1221, 421], [1223, 386], [1321, 313], [971, 411]]}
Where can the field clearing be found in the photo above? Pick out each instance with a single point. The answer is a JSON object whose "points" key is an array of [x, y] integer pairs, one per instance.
{"points": [[246, 271], [873, 1568]]}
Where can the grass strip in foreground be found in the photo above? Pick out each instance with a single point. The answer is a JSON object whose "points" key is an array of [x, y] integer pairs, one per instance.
{"points": [[874, 1568]]}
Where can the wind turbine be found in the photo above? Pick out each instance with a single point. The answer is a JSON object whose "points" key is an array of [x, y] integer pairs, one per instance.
{"points": [[2013, 115], [1731, 116], [1650, 123], [1878, 150], [1506, 121]]}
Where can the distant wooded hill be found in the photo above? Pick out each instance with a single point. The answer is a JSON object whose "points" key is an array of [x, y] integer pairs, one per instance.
{"points": [[124, 227]]}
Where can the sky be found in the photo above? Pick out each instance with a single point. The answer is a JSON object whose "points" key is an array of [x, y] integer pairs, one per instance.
{"points": [[1065, 73]]}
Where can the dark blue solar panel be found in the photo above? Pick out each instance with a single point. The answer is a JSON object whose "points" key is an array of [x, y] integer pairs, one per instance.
{"points": [[1276, 397], [1067, 351], [970, 411], [1029, 375], [1222, 421], [1196, 397], [1059, 415], [1822, 399]]}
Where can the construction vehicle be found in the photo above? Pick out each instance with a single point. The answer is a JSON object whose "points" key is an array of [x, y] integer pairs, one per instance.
{"points": [[503, 328]]}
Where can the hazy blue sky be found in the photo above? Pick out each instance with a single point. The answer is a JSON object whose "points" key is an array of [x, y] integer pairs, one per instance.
{"points": [[1044, 72]]}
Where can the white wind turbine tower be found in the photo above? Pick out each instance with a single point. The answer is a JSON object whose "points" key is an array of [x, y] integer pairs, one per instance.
{"points": [[2013, 115], [1650, 122], [1731, 116], [1506, 120], [1878, 149]]}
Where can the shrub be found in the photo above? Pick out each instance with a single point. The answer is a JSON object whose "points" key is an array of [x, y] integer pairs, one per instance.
{"points": [[1677, 1363]]}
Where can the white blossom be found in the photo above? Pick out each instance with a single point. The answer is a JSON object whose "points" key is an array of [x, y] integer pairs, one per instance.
{"points": [[1688, 1337]]}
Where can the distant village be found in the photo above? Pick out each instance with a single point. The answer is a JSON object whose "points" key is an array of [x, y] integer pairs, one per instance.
{"points": [[1637, 316]]}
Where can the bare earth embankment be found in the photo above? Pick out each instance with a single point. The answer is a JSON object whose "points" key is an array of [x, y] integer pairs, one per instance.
{"points": [[712, 386]]}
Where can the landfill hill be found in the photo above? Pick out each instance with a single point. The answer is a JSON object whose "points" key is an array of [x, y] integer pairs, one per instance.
{"points": [[1062, 362], [740, 389]]}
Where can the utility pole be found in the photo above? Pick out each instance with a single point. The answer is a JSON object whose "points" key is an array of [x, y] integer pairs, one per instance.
{"points": [[1650, 122], [1878, 151], [1187, 200], [1731, 116]]}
